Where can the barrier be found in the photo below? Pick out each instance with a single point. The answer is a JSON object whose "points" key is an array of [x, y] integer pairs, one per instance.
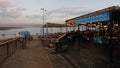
{"points": [[9, 47]]}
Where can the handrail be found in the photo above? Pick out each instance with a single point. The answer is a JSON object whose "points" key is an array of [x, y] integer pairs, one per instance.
{"points": [[58, 39], [9, 47], [57, 46], [43, 38], [7, 41], [21, 41]]}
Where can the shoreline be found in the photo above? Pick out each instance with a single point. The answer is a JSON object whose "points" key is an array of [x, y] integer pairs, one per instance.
{"points": [[7, 28]]}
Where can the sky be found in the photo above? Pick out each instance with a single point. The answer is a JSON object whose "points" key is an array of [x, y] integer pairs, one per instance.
{"points": [[22, 12]]}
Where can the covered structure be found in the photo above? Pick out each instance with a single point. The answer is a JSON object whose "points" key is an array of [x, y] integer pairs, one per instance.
{"points": [[70, 24], [48, 24], [108, 19], [96, 17], [53, 25]]}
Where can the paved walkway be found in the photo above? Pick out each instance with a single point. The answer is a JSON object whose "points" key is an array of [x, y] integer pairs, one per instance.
{"points": [[34, 56]]}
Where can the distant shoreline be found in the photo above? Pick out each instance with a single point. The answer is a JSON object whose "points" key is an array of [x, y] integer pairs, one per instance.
{"points": [[7, 28]]}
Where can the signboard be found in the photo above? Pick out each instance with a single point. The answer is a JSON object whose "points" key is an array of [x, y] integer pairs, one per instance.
{"points": [[94, 18]]}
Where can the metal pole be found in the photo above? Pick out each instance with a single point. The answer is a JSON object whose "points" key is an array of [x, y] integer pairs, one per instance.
{"points": [[43, 18], [66, 28], [47, 28], [61, 29]]}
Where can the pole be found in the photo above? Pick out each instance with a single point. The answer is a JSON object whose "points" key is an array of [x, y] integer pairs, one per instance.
{"points": [[66, 28], [61, 29], [51, 29], [111, 39], [82, 27], [78, 28], [47, 28], [43, 18]]}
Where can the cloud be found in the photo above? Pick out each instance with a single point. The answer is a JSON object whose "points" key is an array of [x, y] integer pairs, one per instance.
{"points": [[21, 9], [63, 14], [34, 17], [8, 10], [68, 11], [6, 4]]}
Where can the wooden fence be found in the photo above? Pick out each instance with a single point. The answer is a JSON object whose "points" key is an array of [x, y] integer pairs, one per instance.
{"points": [[9, 47]]}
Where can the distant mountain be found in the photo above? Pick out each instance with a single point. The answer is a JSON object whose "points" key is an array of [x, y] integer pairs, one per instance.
{"points": [[20, 25], [12, 26], [7, 28]]}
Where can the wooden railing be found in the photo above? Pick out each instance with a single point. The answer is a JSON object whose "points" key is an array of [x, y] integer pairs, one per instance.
{"points": [[58, 39], [9, 47], [58, 44]]}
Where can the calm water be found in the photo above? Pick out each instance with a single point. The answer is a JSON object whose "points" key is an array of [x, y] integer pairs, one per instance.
{"points": [[34, 30]]}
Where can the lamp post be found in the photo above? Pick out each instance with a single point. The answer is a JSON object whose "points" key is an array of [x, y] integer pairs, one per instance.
{"points": [[43, 17]]}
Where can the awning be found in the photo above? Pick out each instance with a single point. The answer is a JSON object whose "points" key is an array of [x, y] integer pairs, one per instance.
{"points": [[70, 22], [97, 16]]}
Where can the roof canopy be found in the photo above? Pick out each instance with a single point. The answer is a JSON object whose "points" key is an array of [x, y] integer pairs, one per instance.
{"points": [[70, 22], [97, 16], [94, 18], [48, 24]]}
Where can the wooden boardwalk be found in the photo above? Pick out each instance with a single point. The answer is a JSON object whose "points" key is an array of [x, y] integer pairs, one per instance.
{"points": [[37, 55], [34, 56]]}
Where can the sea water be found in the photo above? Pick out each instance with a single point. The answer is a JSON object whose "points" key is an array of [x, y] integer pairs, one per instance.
{"points": [[12, 33]]}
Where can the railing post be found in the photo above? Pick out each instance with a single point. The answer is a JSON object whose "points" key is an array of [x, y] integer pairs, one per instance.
{"points": [[7, 49], [24, 45], [16, 43], [56, 48]]}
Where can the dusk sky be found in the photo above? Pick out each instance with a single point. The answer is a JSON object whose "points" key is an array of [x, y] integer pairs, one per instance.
{"points": [[29, 11]]}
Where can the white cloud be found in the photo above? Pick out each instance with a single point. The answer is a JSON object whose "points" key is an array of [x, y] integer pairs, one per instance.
{"points": [[7, 9], [34, 17], [62, 14], [9, 13]]}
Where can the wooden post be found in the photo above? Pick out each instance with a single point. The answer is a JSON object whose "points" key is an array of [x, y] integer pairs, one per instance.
{"points": [[70, 28], [61, 29], [7, 50], [82, 28], [56, 47], [16, 42], [47, 29], [51, 29], [66, 28], [111, 38], [78, 28]]}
